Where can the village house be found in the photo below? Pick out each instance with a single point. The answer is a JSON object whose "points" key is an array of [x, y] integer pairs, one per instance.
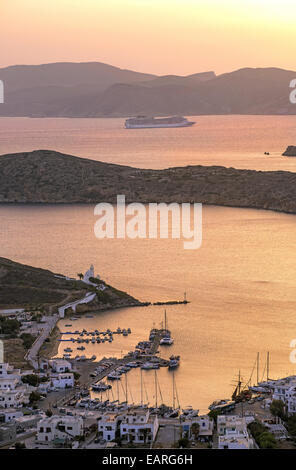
{"points": [[59, 428], [60, 365], [205, 424], [233, 433], [63, 380], [9, 377], [138, 426], [108, 425], [9, 414]]}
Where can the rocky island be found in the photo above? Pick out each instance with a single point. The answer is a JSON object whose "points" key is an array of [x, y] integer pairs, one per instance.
{"points": [[290, 152], [46, 176]]}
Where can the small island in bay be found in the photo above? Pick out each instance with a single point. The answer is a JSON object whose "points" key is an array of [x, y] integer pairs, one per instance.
{"points": [[290, 152], [47, 176]]}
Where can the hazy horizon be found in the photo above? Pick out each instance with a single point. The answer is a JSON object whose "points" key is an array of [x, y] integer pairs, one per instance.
{"points": [[190, 36]]}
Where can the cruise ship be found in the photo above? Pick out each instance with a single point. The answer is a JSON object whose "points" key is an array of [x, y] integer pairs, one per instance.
{"points": [[144, 122]]}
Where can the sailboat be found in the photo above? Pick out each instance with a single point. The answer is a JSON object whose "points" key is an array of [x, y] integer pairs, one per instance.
{"points": [[166, 339], [174, 412]]}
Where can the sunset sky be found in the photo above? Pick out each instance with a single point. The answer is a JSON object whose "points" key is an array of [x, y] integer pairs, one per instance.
{"points": [[157, 36]]}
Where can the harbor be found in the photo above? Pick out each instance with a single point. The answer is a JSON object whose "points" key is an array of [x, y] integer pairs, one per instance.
{"points": [[146, 356]]}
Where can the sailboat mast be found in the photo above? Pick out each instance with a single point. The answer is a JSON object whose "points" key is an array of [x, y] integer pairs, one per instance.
{"points": [[173, 390], [126, 388], [155, 376], [258, 358], [268, 365], [141, 372], [165, 320]]}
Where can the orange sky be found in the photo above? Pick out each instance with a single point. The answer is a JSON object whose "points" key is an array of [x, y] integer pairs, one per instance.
{"points": [[157, 36]]}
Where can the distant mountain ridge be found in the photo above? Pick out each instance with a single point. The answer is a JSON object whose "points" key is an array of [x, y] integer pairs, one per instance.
{"points": [[94, 89]]}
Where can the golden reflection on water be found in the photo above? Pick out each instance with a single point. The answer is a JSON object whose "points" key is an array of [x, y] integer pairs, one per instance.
{"points": [[241, 285]]}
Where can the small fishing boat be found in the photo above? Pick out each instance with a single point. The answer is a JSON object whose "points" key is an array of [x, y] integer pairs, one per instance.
{"points": [[113, 376], [166, 341], [174, 362], [149, 366], [101, 387]]}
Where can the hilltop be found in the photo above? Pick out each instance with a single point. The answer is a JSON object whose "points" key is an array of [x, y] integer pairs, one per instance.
{"points": [[46, 176]]}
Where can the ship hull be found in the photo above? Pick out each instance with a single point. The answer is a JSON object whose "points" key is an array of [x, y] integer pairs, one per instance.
{"points": [[158, 126]]}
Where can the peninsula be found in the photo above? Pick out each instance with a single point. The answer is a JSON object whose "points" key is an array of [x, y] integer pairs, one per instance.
{"points": [[26, 287]]}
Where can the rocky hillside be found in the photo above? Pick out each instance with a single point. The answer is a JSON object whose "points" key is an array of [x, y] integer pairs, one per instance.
{"points": [[26, 286], [46, 176]]}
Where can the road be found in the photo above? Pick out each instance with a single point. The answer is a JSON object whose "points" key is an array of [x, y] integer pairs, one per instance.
{"points": [[32, 354]]}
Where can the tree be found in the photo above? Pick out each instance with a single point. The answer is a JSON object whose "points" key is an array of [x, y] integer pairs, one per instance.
{"points": [[277, 408], [183, 443], [48, 413], [195, 430], [28, 340], [34, 396], [291, 425], [20, 445], [266, 441], [9, 327], [80, 275], [213, 414], [31, 379], [262, 436]]}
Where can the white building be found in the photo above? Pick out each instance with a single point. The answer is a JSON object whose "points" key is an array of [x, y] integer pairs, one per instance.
{"points": [[138, 426], [13, 393], [9, 414], [109, 424], [63, 380], [61, 365], [281, 388], [14, 398], [10, 378], [206, 426], [233, 433], [226, 442], [285, 390], [59, 427]]}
